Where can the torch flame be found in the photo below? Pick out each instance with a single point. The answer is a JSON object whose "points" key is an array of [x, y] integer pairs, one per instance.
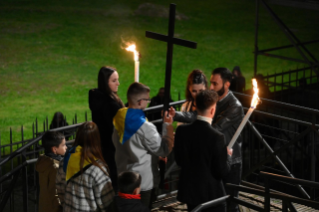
{"points": [[255, 99], [132, 48]]}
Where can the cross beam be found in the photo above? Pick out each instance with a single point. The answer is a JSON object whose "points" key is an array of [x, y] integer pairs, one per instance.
{"points": [[170, 40]]}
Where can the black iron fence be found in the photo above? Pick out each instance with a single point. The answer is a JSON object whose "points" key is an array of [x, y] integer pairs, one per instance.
{"points": [[281, 138]]}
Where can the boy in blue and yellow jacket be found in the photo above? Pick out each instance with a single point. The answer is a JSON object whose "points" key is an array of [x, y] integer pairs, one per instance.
{"points": [[137, 142]]}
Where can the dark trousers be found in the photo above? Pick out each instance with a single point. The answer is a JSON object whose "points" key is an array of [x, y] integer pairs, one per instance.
{"points": [[147, 197], [219, 208], [233, 177], [109, 158]]}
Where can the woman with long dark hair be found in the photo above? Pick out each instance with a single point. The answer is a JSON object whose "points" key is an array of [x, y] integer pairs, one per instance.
{"points": [[82, 181], [104, 104], [196, 82]]}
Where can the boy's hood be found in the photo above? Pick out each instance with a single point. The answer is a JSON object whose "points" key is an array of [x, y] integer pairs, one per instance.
{"points": [[127, 121], [44, 162]]}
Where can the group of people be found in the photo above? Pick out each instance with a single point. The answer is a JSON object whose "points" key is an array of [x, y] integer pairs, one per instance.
{"points": [[113, 163]]}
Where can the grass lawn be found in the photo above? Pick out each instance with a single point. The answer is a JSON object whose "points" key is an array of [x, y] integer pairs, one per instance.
{"points": [[51, 51]]}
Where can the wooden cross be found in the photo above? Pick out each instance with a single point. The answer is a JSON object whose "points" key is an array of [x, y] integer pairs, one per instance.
{"points": [[169, 55]]}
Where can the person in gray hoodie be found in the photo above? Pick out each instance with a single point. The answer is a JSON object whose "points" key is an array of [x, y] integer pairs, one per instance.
{"points": [[137, 142]]}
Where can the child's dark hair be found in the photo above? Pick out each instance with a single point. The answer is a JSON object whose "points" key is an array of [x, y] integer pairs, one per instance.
{"points": [[51, 139], [135, 90], [129, 181]]}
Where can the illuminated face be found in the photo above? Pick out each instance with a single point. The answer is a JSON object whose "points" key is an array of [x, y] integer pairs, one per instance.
{"points": [[195, 89], [144, 100], [217, 84], [114, 82], [61, 149]]}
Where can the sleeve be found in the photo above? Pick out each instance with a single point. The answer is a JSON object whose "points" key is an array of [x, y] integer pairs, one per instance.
{"points": [[60, 183], [186, 117], [155, 143], [111, 111], [228, 117], [222, 158], [102, 189], [177, 147]]}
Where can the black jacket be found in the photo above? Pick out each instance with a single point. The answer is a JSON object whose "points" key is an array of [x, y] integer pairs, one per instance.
{"points": [[228, 116], [103, 109], [201, 153]]}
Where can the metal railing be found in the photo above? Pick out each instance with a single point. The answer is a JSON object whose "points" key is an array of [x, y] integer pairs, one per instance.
{"points": [[255, 156]]}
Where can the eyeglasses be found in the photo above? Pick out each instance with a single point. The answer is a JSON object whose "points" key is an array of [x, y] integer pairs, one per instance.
{"points": [[148, 100]]}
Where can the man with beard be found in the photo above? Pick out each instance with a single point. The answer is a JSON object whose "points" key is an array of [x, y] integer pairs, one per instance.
{"points": [[228, 116]]}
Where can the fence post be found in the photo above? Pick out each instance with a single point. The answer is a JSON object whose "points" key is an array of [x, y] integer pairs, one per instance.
{"points": [[11, 195], [313, 159], [47, 122], [25, 182], [0, 166], [267, 196], [36, 126], [284, 206]]}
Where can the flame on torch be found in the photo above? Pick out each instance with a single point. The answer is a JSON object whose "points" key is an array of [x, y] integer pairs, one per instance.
{"points": [[132, 48], [255, 99]]}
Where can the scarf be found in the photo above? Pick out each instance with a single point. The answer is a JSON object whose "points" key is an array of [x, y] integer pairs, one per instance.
{"points": [[54, 156], [129, 196], [71, 165], [127, 121]]}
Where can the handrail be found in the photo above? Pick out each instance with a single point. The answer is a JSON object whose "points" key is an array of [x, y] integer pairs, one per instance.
{"points": [[290, 179], [16, 169], [284, 118], [33, 141], [161, 106], [276, 195], [283, 104], [211, 203]]}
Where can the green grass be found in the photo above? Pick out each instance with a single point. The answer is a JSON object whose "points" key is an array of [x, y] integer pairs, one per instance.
{"points": [[51, 51]]}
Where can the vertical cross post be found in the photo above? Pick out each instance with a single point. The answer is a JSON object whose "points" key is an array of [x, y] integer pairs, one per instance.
{"points": [[169, 55]]}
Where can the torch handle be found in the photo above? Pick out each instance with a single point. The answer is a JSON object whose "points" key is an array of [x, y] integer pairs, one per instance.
{"points": [[137, 71], [240, 128]]}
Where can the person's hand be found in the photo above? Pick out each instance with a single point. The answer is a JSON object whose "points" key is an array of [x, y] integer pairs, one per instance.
{"points": [[168, 118], [163, 159], [229, 151], [171, 111]]}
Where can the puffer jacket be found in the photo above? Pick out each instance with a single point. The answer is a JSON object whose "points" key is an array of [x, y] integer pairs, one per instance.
{"points": [[228, 116], [48, 199]]}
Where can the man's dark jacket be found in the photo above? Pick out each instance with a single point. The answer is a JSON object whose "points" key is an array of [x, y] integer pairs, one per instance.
{"points": [[201, 153], [228, 116]]}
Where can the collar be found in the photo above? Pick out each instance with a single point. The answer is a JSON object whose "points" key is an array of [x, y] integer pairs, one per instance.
{"points": [[129, 196], [225, 96], [203, 118], [54, 156]]}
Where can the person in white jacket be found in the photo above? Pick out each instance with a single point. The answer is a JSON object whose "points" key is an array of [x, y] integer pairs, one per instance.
{"points": [[137, 141]]}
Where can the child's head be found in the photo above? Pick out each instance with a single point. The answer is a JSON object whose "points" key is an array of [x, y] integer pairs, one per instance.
{"points": [[138, 95], [88, 137], [54, 142], [129, 182]]}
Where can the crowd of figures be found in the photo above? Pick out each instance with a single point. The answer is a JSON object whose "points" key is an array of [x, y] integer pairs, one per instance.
{"points": [[113, 163]]}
